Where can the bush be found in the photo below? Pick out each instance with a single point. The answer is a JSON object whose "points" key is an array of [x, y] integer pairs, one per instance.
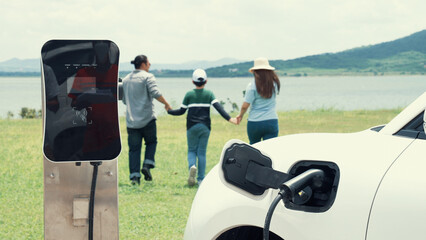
{"points": [[10, 115], [29, 113]]}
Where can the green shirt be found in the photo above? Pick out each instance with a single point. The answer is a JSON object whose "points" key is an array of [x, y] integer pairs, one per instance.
{"points": [[198, 102]]}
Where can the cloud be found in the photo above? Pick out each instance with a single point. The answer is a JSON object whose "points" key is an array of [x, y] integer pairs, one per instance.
{"points": [[178, 31]]}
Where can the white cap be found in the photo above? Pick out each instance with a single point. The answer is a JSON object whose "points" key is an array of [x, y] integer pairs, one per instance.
{"points": [[199, 75]]}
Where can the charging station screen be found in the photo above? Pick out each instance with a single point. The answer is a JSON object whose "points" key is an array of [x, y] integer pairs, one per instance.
{"points": [[80, 96]]}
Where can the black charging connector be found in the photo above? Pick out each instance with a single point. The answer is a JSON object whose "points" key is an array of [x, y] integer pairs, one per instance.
{"points": [[311, 177]]}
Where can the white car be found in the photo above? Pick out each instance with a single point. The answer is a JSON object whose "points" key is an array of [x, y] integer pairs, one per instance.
{"points": [[373, 186]]}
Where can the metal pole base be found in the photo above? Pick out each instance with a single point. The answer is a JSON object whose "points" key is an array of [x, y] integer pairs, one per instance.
{"points": [[66, 201]]}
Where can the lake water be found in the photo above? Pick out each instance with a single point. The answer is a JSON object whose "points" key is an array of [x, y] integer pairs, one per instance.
{"points": [[344, 93]]}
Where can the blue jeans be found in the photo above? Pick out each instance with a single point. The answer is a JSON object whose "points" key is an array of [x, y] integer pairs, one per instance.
{"points": [[135, 136], [197, 138], [257, 131]]}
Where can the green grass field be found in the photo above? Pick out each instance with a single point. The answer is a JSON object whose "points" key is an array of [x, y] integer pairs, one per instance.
{"points": [[157, 209]]}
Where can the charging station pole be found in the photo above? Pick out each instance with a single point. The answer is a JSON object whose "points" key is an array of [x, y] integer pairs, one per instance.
{"points": [[81, 139]]}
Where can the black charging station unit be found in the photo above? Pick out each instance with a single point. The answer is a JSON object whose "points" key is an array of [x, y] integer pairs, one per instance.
{"points": [[81, 138]]}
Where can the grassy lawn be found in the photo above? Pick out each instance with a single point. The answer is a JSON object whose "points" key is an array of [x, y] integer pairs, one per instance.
{"points": [[158, 209]]}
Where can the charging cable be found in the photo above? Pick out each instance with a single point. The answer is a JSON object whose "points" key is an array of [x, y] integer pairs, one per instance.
{"points": [[92, 197], [281, 196], [291, 188]]}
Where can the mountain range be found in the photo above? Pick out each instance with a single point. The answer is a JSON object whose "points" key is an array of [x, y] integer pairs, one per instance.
{"points": [[191, 65], [405, 55], [20, 65], [33, 65]]}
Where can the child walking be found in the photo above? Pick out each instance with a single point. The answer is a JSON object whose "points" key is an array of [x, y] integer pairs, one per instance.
{"points": [[198, 123]]}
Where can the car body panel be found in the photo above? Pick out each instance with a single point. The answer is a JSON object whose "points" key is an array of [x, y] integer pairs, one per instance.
{"points": [[219, 206], [399, 207]]}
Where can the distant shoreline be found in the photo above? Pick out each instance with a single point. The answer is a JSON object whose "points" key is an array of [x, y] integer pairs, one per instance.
{"points": [[290, 74], [396, 110]]}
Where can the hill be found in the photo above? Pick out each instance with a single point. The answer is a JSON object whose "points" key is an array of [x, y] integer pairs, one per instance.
{"points": [[31, 67], [406, 55], [20, 65], [402, 56]]}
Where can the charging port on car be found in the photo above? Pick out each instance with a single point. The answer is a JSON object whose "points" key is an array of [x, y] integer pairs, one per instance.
{"points": [[315, 197]]}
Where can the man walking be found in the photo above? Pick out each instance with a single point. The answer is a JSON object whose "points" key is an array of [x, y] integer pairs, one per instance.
{"points": [[140, 89]]}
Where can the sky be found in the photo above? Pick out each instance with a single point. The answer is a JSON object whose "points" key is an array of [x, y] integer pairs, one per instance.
{"points": [[173, 32]]}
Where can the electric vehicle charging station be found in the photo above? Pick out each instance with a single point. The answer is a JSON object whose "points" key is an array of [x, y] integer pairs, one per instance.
{"points": [[81, 139]]}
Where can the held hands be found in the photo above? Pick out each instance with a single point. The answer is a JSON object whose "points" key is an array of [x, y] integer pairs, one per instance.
{"points": [[239, 118], [236, 120], [233, 121], [167, 107]]}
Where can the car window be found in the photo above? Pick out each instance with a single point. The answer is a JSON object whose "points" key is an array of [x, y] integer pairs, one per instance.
{"points": [[413, 129]]}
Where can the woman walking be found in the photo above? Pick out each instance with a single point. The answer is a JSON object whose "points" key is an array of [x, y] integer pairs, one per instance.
{"points": [[260, 95]]}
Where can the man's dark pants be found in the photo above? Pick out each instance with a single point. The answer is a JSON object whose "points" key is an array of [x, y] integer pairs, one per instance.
{"points": [[135, 136]]}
